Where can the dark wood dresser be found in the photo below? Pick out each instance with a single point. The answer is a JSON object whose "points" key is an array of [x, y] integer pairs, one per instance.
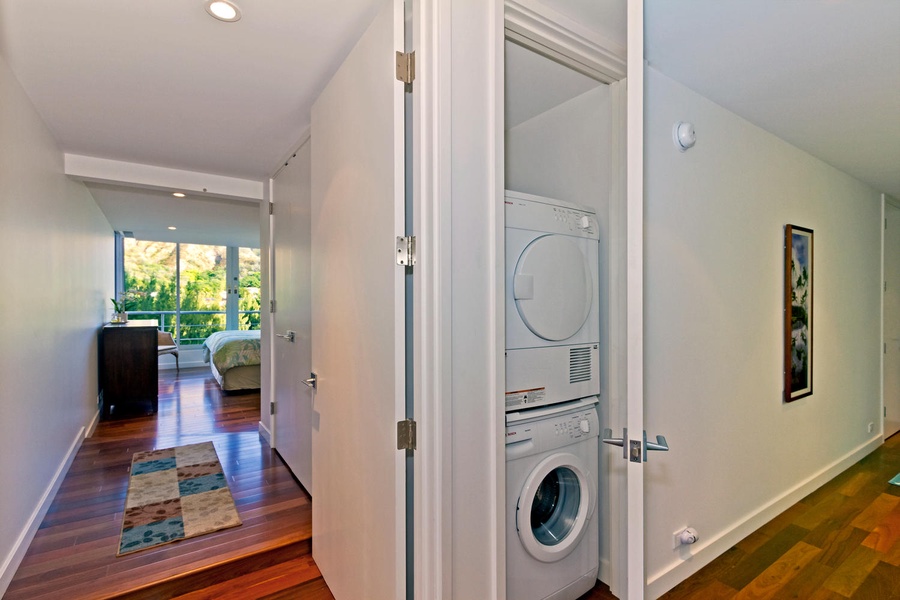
{"points": [[128, 369]]}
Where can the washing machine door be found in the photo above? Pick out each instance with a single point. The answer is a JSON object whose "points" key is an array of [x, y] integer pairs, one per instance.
{"points": [[553, 287], [555, 506]]}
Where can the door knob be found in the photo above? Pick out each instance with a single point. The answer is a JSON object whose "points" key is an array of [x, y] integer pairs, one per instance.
{"points": [[638, 449], [312, 382], [289, 336]]}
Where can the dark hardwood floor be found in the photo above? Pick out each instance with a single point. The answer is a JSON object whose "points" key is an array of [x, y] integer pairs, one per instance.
{"points": [[841, 541], [73, 555]]}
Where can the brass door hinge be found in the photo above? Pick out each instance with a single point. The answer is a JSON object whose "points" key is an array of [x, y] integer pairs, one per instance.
{"points": [[406, 67], [406, 435]]}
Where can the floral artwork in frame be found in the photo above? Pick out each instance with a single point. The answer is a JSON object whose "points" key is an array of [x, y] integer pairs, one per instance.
{"points": [[798, 312]]}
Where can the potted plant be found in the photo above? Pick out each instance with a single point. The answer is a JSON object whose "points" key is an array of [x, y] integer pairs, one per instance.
{"points": [[119, 314]]}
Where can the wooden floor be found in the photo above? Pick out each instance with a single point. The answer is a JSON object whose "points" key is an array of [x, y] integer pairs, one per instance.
{"points": [[842, 541], [73, 555]]}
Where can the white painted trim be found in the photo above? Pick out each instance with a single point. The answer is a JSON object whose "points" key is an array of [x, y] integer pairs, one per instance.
{"points": [[102, 170], [20, 547], [617, 369], [432, 317], [92, 426], [554, 35], [265, 433], [634, 321], [706, 550], [881, 283], [267, 318], [496, 262]]}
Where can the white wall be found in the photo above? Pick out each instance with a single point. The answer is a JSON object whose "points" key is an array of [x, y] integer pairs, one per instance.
{"points": [[713, 320], [566, 153], [58, 278]]}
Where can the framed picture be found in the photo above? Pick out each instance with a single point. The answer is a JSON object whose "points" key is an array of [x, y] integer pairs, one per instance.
{"points": [[798, 312]]}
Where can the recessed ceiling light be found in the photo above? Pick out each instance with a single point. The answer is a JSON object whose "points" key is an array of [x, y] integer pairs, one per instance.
{"points": [[172, 228], [178, 194], [223, 10]]}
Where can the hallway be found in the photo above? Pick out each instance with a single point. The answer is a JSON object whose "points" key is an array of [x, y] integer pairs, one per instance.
{"points": [[73, 555]]}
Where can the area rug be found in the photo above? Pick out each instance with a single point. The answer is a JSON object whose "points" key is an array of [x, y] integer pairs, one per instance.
{"points": [[174, 494]]}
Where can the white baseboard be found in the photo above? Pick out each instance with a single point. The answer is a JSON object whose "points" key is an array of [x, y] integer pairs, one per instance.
{"points": [[265, 434], [701, 555], [92, 426], [14, 558]]}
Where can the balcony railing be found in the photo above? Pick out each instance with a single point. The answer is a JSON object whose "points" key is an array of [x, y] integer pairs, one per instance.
{"points": [[194, 334]]}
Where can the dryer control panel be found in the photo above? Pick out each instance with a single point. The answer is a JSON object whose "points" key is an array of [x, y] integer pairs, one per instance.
{"points": [[535, 213]]}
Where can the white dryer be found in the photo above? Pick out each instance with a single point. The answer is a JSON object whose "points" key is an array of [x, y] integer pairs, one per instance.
{"points": [[552, 535], [552, 301]]}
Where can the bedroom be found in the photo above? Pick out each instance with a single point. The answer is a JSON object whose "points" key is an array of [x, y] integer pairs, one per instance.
{"points": [[192, 264]]}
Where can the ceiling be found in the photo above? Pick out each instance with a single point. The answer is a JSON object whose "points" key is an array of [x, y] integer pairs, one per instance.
{"points": [[162, 83], [148, 214], [824, 75]]}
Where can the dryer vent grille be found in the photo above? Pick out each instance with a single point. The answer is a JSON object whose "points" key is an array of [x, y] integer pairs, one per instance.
{"points": [[579, 364]]}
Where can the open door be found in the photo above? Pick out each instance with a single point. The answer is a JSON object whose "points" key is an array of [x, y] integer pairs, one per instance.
{"points": [[359, 516], [291, 351]]}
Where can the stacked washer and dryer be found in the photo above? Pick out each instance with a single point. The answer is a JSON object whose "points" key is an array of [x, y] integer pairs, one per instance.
{"points": [[552, 388]]}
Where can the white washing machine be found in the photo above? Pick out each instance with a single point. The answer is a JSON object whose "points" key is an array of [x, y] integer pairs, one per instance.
{"points": [[552, 536], [552, 301]]}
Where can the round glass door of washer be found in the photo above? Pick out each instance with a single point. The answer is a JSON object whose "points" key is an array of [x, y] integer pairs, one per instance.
{"points": [[553, 287], [556, 502]]}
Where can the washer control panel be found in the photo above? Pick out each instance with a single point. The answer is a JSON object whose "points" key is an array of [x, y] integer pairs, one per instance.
{"points": [[530, 435], [575, 426]]}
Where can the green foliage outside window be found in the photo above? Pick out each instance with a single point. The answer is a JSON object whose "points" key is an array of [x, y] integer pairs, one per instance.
{"points": [[150, 279]]}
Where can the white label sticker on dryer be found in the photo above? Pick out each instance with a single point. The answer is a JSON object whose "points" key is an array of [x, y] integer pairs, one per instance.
{"points": [[523, 397]]}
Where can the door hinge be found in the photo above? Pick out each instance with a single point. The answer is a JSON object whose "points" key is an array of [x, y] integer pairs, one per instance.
{"points": [[406, 251], [271, 208], [271, 407], [271, 306], [406, 435], [406, 67]]}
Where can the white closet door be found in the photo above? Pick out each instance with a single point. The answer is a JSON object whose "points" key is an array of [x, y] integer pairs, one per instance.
{"points": [[292, 356], [357, 319]]}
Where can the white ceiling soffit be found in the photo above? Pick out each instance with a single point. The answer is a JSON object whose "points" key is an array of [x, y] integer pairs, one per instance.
{"points": [[149, 213], [824, 75], [163, 83]]}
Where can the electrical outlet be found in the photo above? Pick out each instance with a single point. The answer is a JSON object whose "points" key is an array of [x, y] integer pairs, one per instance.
{"points": [[871, 427]]}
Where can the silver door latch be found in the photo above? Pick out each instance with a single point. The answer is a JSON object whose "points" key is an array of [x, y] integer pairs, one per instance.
{"points": [[312, 382], [289, 336], [635, 450]]}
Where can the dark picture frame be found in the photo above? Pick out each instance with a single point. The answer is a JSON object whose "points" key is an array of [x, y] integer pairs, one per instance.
{"points": [[798, 312]]}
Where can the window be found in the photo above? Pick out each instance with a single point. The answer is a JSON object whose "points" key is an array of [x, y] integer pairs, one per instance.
{"points": [[186, 287]]}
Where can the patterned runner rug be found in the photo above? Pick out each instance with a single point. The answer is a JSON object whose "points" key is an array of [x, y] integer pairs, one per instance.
{"points": [[174, 494]]}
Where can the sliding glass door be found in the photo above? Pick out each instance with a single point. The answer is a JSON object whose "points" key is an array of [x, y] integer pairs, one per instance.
{"points": [[193, 290]]}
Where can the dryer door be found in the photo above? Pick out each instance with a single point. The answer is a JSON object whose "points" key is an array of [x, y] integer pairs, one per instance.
{"points": [[553, 287], [556, 503]]}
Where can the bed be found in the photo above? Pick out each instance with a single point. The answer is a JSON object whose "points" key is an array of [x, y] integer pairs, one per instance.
{"points": [[234, 358]]}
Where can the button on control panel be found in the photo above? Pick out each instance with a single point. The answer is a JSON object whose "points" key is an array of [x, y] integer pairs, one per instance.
{"points": [[575, 220], [573, 426]]}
